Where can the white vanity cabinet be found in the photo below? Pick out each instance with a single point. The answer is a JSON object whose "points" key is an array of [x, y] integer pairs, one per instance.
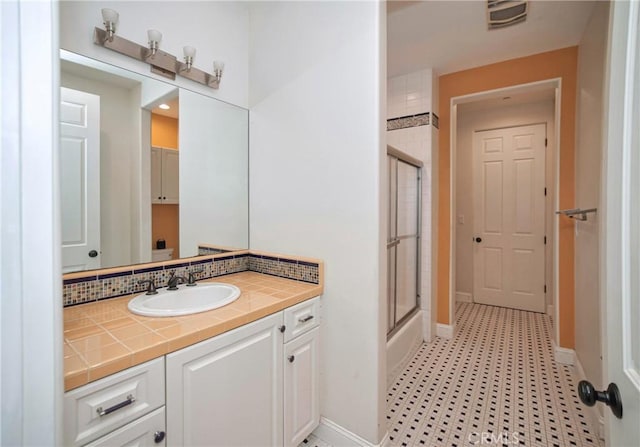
{"points": [[301, 371], [118, 402], [164, 176], [256, 385], [227, 391]]}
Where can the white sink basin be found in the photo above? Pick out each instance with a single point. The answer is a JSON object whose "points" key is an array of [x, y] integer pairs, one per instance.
{"points": [[185, 300]]}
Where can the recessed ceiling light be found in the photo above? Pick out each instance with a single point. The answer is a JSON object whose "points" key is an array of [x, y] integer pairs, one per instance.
{"points": [[164, 106]]}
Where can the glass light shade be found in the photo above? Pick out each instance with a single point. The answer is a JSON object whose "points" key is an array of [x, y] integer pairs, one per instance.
{"points": [[154, 35], [110, 15], [189, 51], [218, 65]]}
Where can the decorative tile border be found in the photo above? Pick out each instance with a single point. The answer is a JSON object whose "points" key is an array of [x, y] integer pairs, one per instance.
{"points": [[208, 249], [436, 121], [421, 119], [112, 283], [94, 287], [285, 268]]}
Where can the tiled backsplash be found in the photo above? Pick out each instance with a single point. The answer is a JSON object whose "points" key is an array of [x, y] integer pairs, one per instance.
{"points": [[206, 249], [83, 287]]}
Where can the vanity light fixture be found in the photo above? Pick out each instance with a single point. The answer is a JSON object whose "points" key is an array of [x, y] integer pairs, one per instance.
{"points": [[155, 37], [162, 63], [110, 18], [189, 54], [218, 67]]}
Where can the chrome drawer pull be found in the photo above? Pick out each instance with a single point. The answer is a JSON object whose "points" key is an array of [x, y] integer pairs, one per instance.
{"points": [[116, 407], [305, 319]]}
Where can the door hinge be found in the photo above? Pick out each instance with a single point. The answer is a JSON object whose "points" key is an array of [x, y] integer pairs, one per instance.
{"points": [[545, 142], [545, 191], [545, 240], [545, 288]]}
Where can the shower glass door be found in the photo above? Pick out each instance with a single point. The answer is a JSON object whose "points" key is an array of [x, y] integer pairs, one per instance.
{"points": [[403, 239]]}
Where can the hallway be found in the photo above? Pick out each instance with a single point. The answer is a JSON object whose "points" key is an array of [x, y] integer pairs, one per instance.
{"points": [[496, 380]]}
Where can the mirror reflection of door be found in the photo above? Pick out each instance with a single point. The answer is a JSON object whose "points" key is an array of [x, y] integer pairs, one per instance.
{"points": [[80, 179], [165, 206]]}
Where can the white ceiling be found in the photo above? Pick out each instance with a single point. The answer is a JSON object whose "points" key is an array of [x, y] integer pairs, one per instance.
{"points": [[450, 36]]}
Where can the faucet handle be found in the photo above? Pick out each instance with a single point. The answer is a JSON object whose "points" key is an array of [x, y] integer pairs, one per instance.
{"points": [[191, 281], [151, 289]]}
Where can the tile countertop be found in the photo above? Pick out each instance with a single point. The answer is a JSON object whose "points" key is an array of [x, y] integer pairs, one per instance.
{"points": [[104, 337]]}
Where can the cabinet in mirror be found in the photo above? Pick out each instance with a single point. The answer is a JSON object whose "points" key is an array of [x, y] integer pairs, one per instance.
{"points": [[136, 177]]}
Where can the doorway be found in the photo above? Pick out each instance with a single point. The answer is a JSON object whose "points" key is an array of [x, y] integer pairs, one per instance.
{"points": [[507, 108]]}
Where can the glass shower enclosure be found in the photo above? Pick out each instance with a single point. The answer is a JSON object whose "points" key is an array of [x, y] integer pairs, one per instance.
{"points": [[403, 238]]}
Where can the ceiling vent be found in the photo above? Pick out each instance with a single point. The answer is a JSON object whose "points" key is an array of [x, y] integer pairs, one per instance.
{"points": [[501, 13]]}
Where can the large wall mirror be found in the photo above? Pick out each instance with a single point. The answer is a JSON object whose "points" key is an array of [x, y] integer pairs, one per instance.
{"points": [[149, 171]]}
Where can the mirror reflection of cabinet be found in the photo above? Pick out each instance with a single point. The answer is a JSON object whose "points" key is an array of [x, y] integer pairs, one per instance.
{"points": [[164, 176]]}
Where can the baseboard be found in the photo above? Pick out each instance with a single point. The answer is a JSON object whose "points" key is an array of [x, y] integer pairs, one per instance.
{"points": [[564, 356], [338, 436], [596, 418], [464, 297], [445, 330], [550, 308]]}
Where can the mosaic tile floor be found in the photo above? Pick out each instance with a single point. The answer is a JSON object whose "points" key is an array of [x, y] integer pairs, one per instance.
{"points": [[313, 441], [495, 383]]}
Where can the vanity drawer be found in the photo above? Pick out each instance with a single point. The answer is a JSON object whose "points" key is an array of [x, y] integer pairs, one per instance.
{"points": [[300, 318], [100, 407]]}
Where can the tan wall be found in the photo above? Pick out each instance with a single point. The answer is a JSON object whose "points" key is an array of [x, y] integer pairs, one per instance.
{"points": [[165, 218], [164, 131], [554, 64]]}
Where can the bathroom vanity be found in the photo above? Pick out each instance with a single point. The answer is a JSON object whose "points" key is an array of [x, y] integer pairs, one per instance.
{"points": [[244, 374]]}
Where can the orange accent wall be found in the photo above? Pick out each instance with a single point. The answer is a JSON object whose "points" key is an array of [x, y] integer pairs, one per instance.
{"points": [[165, 219], [164, 131], [553, 64], [165, 225]]}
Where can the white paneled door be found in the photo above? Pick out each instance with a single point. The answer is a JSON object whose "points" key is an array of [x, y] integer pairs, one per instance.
{"points": [[80, 179], [509, 217], [620, 253]]}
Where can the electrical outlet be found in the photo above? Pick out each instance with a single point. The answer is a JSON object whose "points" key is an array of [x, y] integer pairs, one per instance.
{"points": [[461, 219]]}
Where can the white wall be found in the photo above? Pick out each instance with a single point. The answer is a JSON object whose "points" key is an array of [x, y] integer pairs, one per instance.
{"points": [[469, 121], [591, 68], [412, 94], [317, 156], [31, 383], [119, 135], [218, 31]]}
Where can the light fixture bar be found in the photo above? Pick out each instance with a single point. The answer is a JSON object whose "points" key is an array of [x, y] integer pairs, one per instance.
{"points": [[197, 75], [162, 63]]}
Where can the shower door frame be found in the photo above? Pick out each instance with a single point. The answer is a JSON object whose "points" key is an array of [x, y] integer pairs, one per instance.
{"points": [[392, 243]]}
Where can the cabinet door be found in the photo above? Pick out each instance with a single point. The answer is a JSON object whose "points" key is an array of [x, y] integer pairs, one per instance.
{"points": [[227, 391], [301, 387], [147, 431], [156, 175], [170, 183]]}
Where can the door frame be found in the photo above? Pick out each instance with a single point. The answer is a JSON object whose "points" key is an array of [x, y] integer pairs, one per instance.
{"points": [[556, 84]]}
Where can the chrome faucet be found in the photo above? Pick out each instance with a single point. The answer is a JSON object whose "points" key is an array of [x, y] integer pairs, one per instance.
{"points": [[174, 280]]}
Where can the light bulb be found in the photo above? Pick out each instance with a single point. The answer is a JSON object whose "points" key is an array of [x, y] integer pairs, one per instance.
{"points": [[110, 15], [189, 51], [218, 66], [154, 35]]}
